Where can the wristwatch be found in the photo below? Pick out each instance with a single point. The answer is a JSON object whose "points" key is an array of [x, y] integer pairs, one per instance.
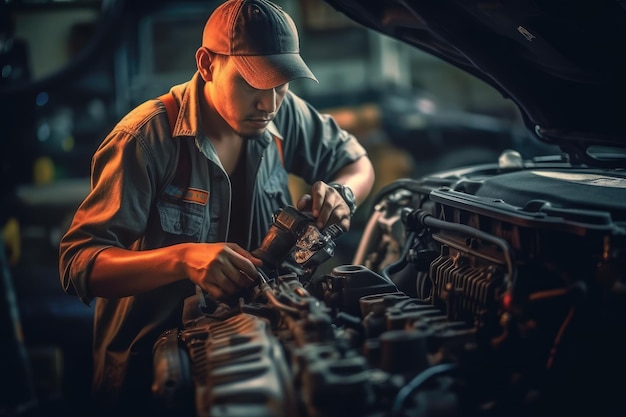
{"points": [[346, 193]]}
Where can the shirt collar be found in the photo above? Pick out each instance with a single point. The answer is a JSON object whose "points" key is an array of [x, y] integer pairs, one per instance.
{"points": [[187, 95]]}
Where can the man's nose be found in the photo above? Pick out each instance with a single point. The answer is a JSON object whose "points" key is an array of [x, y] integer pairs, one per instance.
{"points": [[267, 101]]}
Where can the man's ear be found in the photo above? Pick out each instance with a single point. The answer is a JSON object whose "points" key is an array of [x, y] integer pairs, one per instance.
{"points": [[204, 62]]}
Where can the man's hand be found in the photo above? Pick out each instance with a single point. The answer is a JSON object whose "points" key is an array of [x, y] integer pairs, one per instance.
{"points": [[220, 269], [326, 206]]}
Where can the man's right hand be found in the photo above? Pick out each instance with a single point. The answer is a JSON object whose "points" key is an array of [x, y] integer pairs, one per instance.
{"points": [[220, 269]]}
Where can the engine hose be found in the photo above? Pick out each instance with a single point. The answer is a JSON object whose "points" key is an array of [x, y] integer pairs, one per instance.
{"points": [[371, 236], [402, 261], [416, 383]]}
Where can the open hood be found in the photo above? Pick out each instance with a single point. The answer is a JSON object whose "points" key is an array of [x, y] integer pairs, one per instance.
{"points": [[563, 63]]}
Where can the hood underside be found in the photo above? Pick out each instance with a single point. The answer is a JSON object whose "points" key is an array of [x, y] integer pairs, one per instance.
{"points": [[563, 63]]}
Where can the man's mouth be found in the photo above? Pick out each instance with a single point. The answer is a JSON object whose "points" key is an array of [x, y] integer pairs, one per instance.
{"points": [[260, 122]]}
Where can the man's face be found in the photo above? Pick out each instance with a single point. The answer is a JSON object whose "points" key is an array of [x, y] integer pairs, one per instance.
{"points": [[244, 108]]}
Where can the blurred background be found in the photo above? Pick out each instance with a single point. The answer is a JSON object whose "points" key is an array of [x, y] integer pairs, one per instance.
{"points": [[69, 70]]}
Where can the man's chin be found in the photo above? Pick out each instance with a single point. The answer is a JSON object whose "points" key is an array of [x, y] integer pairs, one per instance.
{"points": [[252, 135]]}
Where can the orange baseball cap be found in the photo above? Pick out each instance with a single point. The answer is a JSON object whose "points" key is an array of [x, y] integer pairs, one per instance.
{"points": [[261, 39]]}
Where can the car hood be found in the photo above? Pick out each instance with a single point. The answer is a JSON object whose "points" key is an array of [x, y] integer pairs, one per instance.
{"points": [[562, 63]]}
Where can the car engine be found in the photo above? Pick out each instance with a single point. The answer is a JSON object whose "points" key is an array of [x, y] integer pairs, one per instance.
{"points": [[494, 290]]}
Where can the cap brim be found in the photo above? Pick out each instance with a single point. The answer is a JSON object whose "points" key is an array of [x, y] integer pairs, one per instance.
{"points": [[269, 71]]}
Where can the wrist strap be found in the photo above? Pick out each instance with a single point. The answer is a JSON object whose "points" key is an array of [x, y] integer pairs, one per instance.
{"points": [[347, 194]]}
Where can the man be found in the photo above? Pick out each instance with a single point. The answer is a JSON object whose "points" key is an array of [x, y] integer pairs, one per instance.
{"points": [[140, 243]]}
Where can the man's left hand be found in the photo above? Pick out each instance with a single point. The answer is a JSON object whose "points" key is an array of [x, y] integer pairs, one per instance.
{"points": [[326, 205]]}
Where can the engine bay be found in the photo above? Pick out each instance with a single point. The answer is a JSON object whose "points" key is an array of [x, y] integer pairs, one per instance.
{"points": [[493, 290]]}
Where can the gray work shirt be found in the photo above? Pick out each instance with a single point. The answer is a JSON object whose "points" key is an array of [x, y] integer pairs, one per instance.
{"points": [[131, 206]]}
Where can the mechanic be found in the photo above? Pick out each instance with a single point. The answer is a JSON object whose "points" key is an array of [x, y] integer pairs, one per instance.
{"points": [[140, 243]]}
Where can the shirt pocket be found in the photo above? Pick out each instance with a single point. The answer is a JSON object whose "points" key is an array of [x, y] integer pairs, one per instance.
{"points": [[276, 187], [180, 217]]}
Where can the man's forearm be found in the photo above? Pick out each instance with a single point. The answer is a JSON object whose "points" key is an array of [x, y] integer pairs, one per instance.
{"points": [[359, 176], [119, 272]]}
